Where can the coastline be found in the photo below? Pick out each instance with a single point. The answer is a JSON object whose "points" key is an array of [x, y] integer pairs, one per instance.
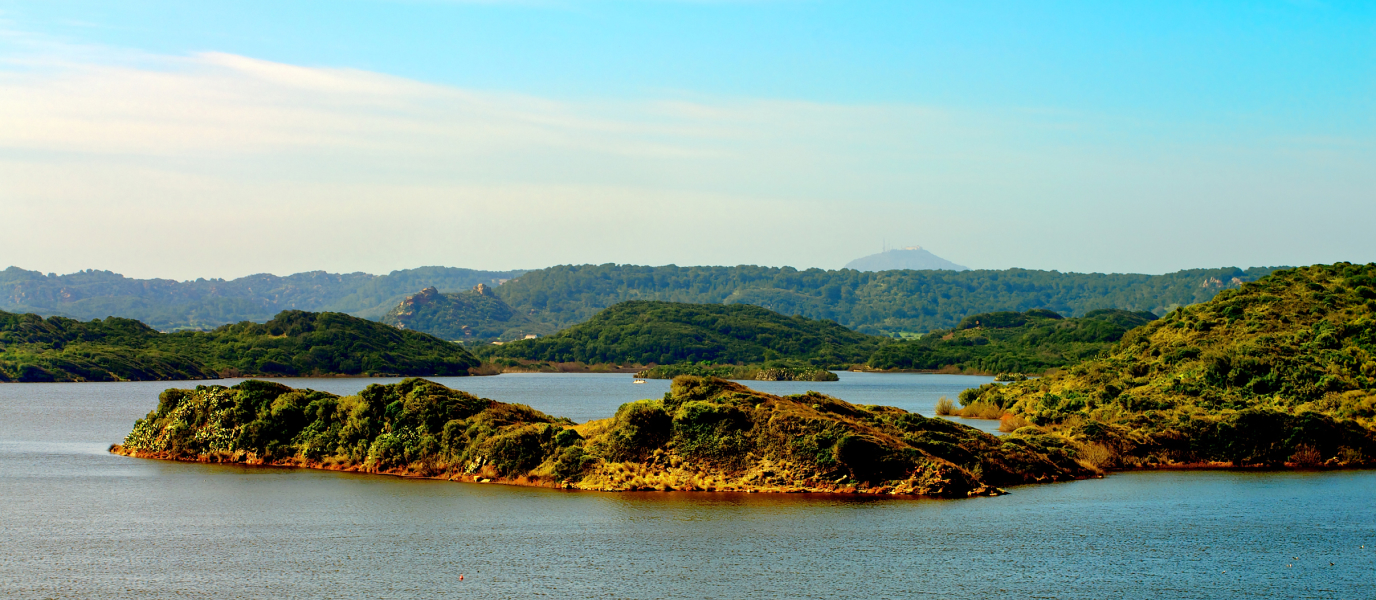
{"points": [[925, 487], [241, 459]]}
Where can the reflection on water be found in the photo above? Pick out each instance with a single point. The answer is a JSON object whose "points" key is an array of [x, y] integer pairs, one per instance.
{"points": [[77, 522]]}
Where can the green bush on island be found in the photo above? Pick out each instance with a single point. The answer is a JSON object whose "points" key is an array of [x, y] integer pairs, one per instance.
{"points": [[1010, 342], [651, 332], [705, 434], [291, 344], [1278, 371]]}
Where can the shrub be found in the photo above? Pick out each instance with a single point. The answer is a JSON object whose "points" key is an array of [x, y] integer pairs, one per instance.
{"points": [[945, 407], [981, 410], [1306, 456], [1096, 454], [1010, 422]]}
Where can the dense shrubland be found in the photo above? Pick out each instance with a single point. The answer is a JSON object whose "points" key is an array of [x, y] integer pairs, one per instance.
{"points": [[705, 434], [1010, 342], [879, 303], [1278, 371], [472, 316], [293, 343], [646, 332]]}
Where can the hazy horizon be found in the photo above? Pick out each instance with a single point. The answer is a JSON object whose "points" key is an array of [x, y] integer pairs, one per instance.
{"points": [[480, 268], [182, 140]]}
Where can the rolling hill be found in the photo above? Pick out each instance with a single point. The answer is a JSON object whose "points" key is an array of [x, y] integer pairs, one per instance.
{"points": [[651, 332], [1281, 370], [292, 343]]}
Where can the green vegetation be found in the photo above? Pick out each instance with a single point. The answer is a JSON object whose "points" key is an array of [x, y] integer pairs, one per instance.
{"points": [[647, 332], [1012, 343], [293, 343], [477, 315], [771, 371], [705, 434], [880, 303], [207, 303], [890, 303], [58, 349], [1278, 371]]}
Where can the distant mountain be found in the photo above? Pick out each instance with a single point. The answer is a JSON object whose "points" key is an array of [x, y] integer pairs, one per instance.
{"points": [[912, 258], [208, 303], [547, 300], [882, 303]]}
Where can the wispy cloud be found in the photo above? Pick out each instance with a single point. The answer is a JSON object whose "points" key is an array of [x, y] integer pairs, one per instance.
{"points": [[219, 164]]}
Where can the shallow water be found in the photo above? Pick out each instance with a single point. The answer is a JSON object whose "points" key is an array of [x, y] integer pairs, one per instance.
{"points": [[77, 522]]}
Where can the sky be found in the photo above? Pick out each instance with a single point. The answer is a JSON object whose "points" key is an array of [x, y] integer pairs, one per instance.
{"points": [[192, 139]]}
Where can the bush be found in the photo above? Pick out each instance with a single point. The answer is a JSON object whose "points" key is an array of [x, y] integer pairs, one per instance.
{"points": [[945, 407], [1010, 422]]}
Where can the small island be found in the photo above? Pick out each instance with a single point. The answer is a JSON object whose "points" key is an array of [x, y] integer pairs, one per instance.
{"points": [[705, 435]]}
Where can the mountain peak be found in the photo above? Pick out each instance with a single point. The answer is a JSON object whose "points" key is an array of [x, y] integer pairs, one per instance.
{"points": [[911, 258]]}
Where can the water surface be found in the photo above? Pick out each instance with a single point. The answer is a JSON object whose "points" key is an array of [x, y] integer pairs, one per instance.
{"points": [[76, 522]]}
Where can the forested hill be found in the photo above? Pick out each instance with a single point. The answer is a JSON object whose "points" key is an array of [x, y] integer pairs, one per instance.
{"points": [[1009, 342], [207, 303], [881, 303], [476, 315], [1279, 371], [292, 343], [645, 332]]}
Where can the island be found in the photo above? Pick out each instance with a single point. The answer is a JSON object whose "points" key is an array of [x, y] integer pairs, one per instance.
{"points": [[705, 434]]}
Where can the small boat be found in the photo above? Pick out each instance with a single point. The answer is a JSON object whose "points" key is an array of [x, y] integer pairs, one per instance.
{"points": [[638, 380]]}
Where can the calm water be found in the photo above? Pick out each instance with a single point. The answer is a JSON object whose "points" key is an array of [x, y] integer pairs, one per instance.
{"points": [[76, 522]]}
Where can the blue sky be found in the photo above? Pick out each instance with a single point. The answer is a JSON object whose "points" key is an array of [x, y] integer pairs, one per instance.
{"points": [[1087, 136]]}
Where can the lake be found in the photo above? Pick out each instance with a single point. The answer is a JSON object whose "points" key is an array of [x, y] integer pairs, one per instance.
{"points": [[77, 522]]}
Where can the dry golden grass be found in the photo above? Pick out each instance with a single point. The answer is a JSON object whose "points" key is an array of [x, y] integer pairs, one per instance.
{"points": [[1097, 455], [1010, 422], [981, 410], [945, 407]]}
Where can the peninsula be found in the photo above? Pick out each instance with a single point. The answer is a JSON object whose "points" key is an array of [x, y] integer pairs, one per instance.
{"points": [[1279, 371]]}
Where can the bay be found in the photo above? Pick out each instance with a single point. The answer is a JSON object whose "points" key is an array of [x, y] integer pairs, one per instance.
{"points": [[77, 522]]}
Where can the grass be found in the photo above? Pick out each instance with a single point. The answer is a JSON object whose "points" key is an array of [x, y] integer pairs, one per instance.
{"points": [[981, 410]]}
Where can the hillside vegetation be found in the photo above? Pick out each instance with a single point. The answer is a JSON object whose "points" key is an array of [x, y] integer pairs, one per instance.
{"points": [[292, 343], [1278, 371], [171, 305], [652, 332], [547, 300], [878, 303], [1010, 342], [475, 315], [705, 434]]}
